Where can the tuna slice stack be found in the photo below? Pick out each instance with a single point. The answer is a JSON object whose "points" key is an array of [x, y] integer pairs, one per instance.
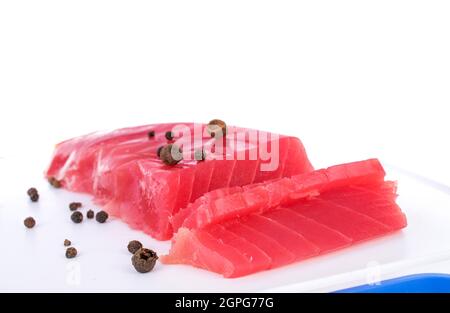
{"points": [[268, 225]]}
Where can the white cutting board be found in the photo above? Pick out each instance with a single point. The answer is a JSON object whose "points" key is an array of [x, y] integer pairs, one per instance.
{"points": [[33, 259]]}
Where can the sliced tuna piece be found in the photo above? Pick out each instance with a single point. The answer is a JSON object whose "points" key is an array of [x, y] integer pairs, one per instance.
{"points": [[123, 172], [333, 217], [260, 197], [348, 222], [286, 237], [255, 256], [324, 237], [279, 254]]}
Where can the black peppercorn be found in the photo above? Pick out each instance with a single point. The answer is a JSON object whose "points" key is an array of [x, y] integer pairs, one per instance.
{"points": [[71, 252], [90, 214], [171, 154], [32, 191], [169, 135], [77, 217], [101, 216], [67, 242], [144, 260], [54, 182], [151, 134], [134, 246], [217, 128], [158, 152], [75, 206], [29, 222], [33, 194]]}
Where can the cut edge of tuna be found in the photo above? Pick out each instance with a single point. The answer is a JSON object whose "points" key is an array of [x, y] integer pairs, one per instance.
{"points": [[257, 198], [193, 252]]}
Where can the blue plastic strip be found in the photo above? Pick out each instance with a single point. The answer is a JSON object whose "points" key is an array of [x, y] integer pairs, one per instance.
{"points": [[419, 283]]}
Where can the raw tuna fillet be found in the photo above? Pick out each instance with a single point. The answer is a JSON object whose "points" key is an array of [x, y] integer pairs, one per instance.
{"points": [[123, 172], [324, 211], [257, 198]]}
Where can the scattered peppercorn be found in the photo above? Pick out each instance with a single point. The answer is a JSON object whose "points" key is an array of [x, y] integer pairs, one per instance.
{"points": [[33, 194], [32, 191], [169, 135], [217, 128], [35, 197], [90, 214], [151, 134], [77, 217], [67, 242], [71, 252], [134, 246], [171, 154], [158, 152], [101, 216], [75, 206], [54, 182], [199, 155], [144, 260], [29, 222]]}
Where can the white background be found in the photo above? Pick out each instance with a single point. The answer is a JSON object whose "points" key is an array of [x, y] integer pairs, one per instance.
{"points": [[339, 74], [352, 79]]}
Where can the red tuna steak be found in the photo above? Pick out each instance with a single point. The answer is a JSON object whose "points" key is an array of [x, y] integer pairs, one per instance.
{"points": [[342, 211], [123, 172]]}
